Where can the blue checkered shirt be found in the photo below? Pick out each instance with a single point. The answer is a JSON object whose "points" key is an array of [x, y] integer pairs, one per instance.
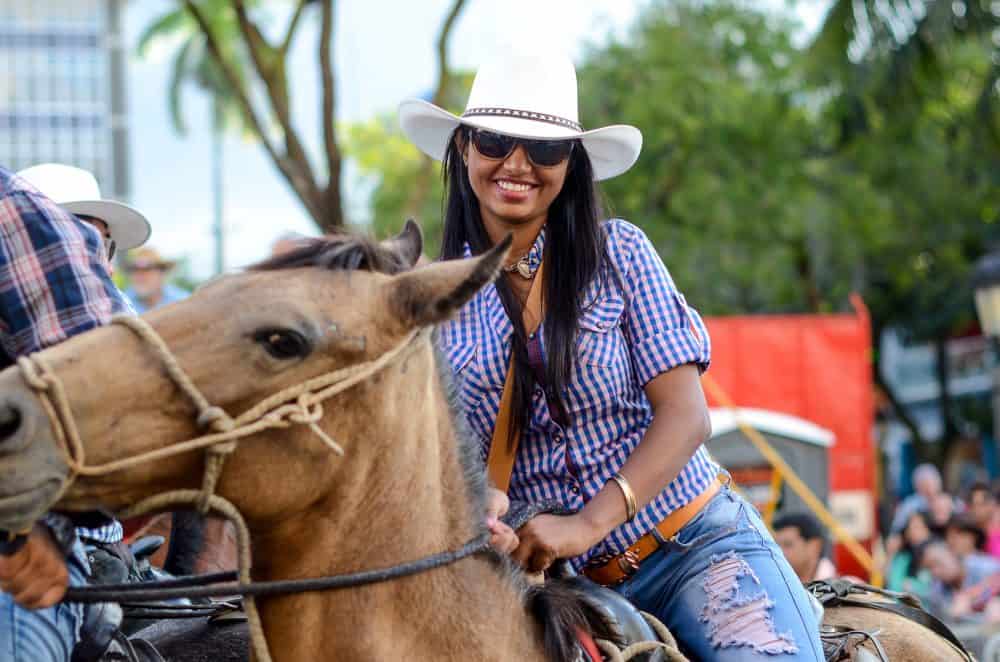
{"points": [[627, 336], [54, 282]]}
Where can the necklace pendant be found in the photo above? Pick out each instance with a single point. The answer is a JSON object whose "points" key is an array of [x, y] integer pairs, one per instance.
{"points": [[524, 269]]}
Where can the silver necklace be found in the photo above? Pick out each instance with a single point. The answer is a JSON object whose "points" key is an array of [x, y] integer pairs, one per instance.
{"points": [[522, 267]]}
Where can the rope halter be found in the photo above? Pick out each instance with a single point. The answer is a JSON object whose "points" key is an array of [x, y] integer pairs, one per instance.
{"points": [[299, 404]]}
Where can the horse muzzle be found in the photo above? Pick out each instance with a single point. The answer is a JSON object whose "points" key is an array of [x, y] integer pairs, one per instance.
{"points": [[32, 466]]}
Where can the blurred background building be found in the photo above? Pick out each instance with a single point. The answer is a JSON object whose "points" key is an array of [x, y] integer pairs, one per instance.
{"points": [[62, 87]]}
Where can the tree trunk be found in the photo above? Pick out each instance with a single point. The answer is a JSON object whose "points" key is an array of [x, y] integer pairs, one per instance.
{"points": [[804, 266], [217, 188], [942, 372], [421, 185]]}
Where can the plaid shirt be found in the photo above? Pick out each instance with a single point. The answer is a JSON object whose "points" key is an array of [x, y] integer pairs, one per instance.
{"points": [[626, 337], [54, 282]]}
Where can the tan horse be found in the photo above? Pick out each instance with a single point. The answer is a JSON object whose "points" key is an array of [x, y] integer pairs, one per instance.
{"points": [[407, 485], [881, 633]]}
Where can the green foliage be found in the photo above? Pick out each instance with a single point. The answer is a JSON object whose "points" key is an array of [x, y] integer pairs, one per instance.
{"points": [[387, 158], [760, 200]]}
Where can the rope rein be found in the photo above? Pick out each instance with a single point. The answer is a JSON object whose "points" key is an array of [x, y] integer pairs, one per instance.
{"points": [[300, 404]]}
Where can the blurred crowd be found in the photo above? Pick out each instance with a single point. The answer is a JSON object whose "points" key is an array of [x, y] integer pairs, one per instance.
{"points": [[943, 548]]}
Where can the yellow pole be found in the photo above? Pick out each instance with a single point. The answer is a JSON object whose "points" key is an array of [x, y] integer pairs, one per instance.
{"points": [[812, 502], [772, 501]]}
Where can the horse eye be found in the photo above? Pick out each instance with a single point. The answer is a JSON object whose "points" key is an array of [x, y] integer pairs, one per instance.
{"points": [[283, 343]]}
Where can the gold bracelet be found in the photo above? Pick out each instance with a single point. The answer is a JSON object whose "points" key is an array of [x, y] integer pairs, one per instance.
{"points": [[631, 508]]}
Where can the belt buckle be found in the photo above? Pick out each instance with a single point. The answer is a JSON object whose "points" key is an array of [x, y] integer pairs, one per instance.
{"points": [[628, 563]]}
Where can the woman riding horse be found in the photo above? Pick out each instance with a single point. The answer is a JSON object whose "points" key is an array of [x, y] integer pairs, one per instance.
{"points": [[603, 409]]}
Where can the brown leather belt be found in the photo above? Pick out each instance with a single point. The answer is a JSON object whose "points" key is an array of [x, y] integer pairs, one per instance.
{"points": [[616, 569]]}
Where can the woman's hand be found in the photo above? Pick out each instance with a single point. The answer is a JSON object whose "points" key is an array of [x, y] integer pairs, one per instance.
{"points": [[547, 538], [503, 538]]}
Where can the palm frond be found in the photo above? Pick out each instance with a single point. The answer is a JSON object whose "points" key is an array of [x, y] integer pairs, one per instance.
{"points": [[185, 64], [168, 25]]}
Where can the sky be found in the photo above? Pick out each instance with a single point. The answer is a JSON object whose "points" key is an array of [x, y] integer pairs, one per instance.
{"points": [[384, 52]]}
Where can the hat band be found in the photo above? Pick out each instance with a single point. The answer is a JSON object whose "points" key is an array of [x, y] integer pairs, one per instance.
{"points": [[523, 114]]}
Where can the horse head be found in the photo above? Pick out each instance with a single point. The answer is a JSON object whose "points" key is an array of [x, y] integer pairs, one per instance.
{"points": [[239, 340]]}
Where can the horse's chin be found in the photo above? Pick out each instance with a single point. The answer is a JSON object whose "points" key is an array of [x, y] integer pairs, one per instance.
{"points": [[19, 512]]}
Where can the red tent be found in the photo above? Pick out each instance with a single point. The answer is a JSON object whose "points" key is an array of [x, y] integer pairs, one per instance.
{"points": [[816, 367]]}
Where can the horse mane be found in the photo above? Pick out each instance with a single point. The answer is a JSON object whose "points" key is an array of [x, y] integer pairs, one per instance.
{"points": [[338, 251], [558, 608]]}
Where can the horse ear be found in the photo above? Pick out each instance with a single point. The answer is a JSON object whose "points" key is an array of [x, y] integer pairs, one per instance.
{"points": [[429, 295], [408, 244]]}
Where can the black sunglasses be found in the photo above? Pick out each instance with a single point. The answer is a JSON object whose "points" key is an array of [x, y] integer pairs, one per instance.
{"points": [[542, 153]]}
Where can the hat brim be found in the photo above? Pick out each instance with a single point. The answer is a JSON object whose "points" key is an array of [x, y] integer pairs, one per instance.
{"points": [[612, 149], [128, 228]]}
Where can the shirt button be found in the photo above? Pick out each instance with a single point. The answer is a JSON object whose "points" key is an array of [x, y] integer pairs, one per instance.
{"points": [[575, 489], [557, 437]]}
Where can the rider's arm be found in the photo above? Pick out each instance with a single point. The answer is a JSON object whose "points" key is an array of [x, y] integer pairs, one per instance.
{"points": [[680, 424], [54, 283], [54, 275], [669, 347]]}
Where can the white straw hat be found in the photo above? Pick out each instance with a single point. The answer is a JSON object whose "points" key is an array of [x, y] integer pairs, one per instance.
{"points": [[526, 96], [76, 191]]}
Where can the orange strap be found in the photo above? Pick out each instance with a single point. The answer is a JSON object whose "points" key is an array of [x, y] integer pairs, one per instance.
{"points": [[500, 462]]}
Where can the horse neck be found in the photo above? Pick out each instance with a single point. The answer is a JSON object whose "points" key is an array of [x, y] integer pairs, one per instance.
{"points": [[410, 501]]}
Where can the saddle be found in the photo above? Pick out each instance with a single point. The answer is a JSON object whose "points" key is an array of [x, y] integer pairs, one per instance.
{"points": [[108, 630], [626, 620], [841, 592]]}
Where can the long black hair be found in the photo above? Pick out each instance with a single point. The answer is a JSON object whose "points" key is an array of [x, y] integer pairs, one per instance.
{"points": [[575, 252]]}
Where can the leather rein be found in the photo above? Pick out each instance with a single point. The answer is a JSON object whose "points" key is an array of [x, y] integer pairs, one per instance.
{"points": [[300, 404]]}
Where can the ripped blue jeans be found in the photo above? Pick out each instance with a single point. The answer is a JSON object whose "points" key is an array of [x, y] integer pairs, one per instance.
{"points": [[725, 590]]}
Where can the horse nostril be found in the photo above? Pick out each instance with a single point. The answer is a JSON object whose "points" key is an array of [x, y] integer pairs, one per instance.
{"points": [[10, 421]]}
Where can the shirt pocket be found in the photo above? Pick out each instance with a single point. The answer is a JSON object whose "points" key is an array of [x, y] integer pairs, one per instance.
{"points": [[600, 341], [602, 370]]}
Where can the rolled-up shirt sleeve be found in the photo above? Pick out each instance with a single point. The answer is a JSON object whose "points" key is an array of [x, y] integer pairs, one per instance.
{"points": [[664, 331], [54, 278]]}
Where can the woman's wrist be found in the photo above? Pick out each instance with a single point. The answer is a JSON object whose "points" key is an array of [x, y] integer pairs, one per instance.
{"points": [[603, 515]]}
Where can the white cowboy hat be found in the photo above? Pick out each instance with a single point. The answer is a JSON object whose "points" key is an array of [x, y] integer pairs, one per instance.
{"points": [[526, 96], [76, 191]]}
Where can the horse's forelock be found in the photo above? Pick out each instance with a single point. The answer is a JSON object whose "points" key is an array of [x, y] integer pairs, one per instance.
{"points": [[347, 252]]}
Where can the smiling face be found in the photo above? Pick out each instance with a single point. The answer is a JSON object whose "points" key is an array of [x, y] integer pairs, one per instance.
{"points": [[512, 190]]}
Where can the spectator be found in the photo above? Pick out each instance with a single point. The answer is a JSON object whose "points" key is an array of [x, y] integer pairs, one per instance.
{"points": [[954, 577], [979, 602], [800, 537], [942, 508], [76, 190], [964, 536], [905, 573], [984, 510], [148, 271], [927, 483]]}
